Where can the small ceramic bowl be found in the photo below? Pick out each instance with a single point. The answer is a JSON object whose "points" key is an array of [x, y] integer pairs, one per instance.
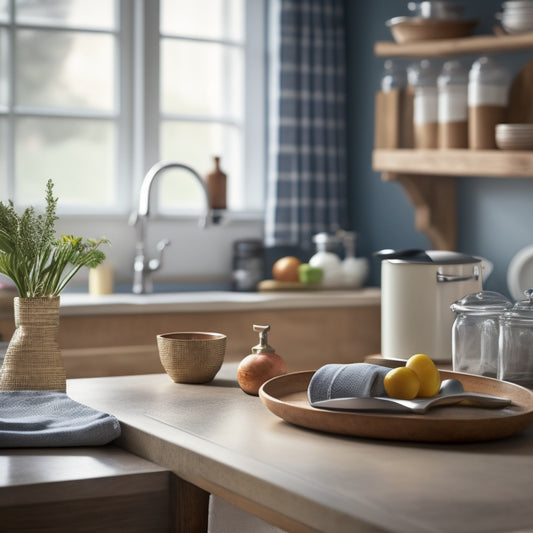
{"points": [[411, 29], [191, 356]]}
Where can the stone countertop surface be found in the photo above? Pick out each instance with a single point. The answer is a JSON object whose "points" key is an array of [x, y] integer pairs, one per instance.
{"points": [[228, 443]]}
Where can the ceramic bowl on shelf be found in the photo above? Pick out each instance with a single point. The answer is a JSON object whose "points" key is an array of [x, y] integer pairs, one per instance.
{"points": [[411, 29], [514, 136], [516, 16]]}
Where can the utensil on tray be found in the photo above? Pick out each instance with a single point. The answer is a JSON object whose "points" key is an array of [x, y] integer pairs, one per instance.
{"points": [[451, 393]]}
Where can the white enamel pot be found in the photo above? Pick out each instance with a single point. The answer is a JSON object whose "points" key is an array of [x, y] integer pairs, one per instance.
{"points": [[417, 289]]}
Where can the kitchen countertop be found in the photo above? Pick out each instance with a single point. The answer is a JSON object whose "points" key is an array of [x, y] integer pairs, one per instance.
{"points": [[85, 304], [229, 444]]}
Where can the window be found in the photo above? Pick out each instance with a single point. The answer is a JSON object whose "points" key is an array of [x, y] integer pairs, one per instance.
{"points": [[93, 92]]}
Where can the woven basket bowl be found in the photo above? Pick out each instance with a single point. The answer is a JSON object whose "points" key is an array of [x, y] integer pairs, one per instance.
{"points": [[191, 356]]}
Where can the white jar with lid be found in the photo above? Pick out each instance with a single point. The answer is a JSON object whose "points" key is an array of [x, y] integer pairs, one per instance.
{"points": [[423, 78], [488, 92], [354, 269], [453, 105], [327, 260], [394, 77]]}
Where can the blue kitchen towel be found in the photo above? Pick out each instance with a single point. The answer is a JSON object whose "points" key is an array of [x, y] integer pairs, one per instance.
{"points": [[347, 381], [35, 419]]}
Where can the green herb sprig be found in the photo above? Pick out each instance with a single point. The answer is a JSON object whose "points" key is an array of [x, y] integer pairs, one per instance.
{"points": [[38, 263]]}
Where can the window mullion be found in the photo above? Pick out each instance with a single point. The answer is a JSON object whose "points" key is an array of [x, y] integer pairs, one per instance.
{"points": [[146, 83], [10, 103], [123, 104], [255, 104]]}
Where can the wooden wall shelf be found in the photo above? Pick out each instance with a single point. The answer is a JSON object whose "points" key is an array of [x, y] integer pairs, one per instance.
{"points": [[479, 44], [427, 176], [481, 163]]}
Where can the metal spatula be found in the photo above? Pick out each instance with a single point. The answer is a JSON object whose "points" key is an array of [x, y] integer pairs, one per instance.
{"points": [[451, 393]]}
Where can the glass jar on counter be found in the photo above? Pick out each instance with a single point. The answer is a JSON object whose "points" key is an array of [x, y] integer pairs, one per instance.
{"points": [[475, 332], [423, 78], [515, 358], [453, 105], [248, 264], [488, 91]]}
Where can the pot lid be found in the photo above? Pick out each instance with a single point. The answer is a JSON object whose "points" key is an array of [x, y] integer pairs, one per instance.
{"points": [[440, 257], [482, 302]]}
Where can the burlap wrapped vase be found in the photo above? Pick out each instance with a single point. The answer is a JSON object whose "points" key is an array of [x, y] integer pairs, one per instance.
{"points": [[33, 359]]}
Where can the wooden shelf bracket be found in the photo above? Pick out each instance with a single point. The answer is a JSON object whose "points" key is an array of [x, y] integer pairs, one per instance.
{"points": [[435, 201]]}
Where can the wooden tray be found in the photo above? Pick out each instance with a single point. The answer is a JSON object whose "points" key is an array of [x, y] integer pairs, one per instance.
{"points": [[286, 397]]}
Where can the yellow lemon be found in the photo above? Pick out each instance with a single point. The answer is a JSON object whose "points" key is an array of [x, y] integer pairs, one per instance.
{"points": [[427, 373], [401, 383]]}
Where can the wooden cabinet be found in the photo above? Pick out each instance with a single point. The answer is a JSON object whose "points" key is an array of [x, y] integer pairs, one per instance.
{"points": [[125, 344], [428, 176], [333, 326]]}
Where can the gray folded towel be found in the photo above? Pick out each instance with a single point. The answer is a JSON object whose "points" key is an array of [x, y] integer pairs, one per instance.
{"points": [[34, 419], [347, 381]]}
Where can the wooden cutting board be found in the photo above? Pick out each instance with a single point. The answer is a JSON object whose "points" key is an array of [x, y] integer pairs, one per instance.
{"points": [[274, 285]]}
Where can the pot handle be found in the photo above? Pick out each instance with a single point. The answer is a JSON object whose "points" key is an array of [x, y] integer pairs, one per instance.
{"points": [[442, 278], [445, 278], [486, 268]]}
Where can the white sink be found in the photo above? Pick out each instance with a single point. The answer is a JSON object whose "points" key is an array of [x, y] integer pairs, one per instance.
{"points": [[83, 303]]}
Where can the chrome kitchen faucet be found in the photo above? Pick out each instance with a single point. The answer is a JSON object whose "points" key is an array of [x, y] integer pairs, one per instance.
{"points": [[142, 266]]}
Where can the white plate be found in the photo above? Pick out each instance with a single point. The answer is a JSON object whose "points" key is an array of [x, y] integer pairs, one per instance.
{"points": [[520, 273]]}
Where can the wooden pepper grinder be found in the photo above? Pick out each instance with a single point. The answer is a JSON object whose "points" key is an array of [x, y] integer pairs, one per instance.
{"points": [[216, 187]]}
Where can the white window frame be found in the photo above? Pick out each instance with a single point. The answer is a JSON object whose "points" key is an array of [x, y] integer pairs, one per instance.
{"points": [[137, 112], [121, 114]]}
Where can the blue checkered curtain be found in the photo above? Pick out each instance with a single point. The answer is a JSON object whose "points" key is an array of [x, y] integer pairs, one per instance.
{"points": [[307, 177]]}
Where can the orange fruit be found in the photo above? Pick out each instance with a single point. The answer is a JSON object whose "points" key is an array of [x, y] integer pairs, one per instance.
{"points": [[401, 383], [427, 373], [286, 269]]}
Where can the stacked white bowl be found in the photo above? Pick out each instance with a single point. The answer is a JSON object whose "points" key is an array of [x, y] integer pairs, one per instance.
{"points": [[517, 16], [514, 136]]}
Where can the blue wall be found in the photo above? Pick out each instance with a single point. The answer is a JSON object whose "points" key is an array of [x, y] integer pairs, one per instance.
{"points": [[495, 216]]}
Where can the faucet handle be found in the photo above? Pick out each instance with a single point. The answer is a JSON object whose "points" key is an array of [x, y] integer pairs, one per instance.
{"points": [[207, 219], [155, 264], [162, 244]]}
